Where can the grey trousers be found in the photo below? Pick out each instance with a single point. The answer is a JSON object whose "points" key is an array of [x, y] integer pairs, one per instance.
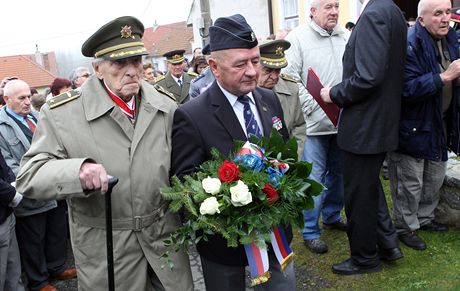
{"points": [[219, 277], [10, 263], [415, 185]]}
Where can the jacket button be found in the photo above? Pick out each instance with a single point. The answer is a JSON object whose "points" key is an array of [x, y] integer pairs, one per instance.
{"points": [[414, 129]]}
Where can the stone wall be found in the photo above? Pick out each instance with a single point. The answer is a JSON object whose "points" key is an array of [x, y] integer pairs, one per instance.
{"points": [[448, 210]]}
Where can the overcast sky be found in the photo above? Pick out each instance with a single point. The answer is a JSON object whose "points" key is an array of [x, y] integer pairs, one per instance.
{"points": [[59, 25]]}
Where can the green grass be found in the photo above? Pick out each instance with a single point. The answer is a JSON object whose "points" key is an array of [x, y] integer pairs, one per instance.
{"points": [[436, 268]]}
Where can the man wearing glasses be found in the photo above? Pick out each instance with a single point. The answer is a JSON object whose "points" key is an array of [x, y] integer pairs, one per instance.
{"points": [[79, 76]]}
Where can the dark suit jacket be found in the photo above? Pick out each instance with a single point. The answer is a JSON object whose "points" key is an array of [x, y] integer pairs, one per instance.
{"points": [[181, 93], [373, 70], [206, 122], [7, 191]]}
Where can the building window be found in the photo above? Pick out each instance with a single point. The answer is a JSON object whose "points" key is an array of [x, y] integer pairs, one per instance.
{"points": [[291, 13]]}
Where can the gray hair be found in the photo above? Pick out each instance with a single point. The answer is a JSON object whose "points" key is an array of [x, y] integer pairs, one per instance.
{"points": [[76, 73]]}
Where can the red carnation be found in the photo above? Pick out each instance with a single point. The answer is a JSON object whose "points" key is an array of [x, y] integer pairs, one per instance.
{"points": [[228, 172], [272, 194]]}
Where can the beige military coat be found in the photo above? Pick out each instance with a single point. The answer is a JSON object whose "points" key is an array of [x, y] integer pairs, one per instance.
{"points": [[287, 91], [92, 127]]}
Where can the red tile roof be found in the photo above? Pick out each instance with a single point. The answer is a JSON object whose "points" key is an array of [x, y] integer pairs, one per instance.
{"points": [[168, 37], [25, 69]]}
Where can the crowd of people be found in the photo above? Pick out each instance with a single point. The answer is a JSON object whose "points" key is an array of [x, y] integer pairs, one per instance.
{"points": [[397, 90]]}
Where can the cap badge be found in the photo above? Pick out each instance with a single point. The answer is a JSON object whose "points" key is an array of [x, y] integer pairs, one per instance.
{"points": [[253, 36], [279, 51], [126, 32], [175, 57]]}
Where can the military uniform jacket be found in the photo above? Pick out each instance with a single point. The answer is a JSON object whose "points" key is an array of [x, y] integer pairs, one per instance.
{"points": [[287, 92], [92, 127], [181, 93]]}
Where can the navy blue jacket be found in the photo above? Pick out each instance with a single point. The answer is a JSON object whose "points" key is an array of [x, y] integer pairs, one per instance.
{"points": [[7, 191], [421, 126]]}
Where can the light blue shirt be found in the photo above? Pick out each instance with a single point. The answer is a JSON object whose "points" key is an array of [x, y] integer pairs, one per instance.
{"points": [[21, 118], [238, 108]]}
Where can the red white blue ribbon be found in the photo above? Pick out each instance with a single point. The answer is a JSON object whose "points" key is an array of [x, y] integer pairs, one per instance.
{"points": [[281, 247], [258, 263], [258, 256]]}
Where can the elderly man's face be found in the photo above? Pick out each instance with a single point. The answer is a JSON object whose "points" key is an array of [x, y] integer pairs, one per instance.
{"points": [[435, 17], [268, 77], [176, 69], [327, 14], [82, 77], [236, 69], [123, 76], [18, 98]]}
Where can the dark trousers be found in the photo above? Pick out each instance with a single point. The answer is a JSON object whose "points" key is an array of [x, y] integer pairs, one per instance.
{"points": [[369, 223], [42, 240]]}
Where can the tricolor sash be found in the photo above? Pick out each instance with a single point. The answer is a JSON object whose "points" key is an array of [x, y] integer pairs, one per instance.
{"points": [[258, 256]]}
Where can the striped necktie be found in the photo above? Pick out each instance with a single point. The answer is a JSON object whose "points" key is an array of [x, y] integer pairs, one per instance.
{"points": [[252, 128]]}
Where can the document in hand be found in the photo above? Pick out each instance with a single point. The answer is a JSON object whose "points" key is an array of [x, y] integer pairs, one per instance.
{"points": [[314, 87]]}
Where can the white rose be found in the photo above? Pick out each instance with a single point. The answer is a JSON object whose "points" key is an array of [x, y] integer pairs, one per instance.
{"points": [[209, 206], [211, 185], [240, 194]]}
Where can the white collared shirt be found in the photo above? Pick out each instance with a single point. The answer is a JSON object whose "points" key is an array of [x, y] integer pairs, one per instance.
{"points": [[238, 108], [177, 80]]}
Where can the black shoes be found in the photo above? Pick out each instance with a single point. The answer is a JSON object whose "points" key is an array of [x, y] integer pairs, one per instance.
{"points": [[434, 226], [316, 245], [390, 254], [347, 267], [339, 225], [412, 240]]}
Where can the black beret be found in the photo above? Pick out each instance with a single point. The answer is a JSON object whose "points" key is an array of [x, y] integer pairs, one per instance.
{"points": [[175, 57], [272, 53], [231, 32], [120, 38]]}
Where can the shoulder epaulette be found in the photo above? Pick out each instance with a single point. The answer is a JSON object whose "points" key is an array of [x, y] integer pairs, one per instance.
{"points": [[288, 78], [199, 77], [193, 74], [63, 98], [164, 91], [159, 78]]}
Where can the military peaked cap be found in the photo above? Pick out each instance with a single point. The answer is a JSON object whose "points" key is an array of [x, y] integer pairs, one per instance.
{"points": [[120, 38], [231, 32], [175, 57], [272, 53]]}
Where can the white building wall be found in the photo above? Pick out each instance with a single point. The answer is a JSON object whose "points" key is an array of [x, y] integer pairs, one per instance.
{"points": [[255, 12]]}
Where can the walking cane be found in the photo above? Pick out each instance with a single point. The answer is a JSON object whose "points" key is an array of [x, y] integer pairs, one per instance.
{"points": [[108, 229]]}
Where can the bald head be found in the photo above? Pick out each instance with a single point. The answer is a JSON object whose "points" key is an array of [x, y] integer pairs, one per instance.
{"points": [[434, 16], [17, 97]]}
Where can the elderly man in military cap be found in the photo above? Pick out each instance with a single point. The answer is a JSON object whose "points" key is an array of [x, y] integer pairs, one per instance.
{"points": [[176, 80], [272, 60], [115, 123], [233, 108]]}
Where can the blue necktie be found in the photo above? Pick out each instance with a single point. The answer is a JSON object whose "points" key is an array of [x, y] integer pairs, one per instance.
{"points": [[252, 128]]}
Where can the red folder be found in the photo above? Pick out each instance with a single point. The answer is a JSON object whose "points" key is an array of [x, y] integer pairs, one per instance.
{"points": [[314, 87]]}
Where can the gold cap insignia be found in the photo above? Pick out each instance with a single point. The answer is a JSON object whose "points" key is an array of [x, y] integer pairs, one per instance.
{"points": [[175, 57], [279, 51], [126, 32]]}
